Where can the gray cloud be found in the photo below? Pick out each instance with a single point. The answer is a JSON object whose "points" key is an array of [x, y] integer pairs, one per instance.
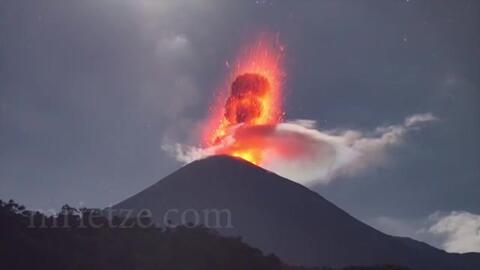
{"points": [[459, 229], [454, 231]]}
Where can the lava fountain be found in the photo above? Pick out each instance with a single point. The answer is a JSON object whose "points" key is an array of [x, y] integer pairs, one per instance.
{"points": [[252, 96], [246, 120]]}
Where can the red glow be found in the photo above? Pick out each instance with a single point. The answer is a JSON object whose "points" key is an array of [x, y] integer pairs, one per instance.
{"points": [[252, 96]]}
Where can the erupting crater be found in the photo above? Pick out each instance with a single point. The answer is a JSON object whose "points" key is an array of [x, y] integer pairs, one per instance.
{"points": [[251, 97]]}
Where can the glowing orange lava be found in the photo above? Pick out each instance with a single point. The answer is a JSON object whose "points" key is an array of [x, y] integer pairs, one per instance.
{"points": [[252, 96]]}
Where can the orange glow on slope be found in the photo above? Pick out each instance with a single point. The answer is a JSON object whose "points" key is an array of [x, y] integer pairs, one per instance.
{"points": [[252, 96]]}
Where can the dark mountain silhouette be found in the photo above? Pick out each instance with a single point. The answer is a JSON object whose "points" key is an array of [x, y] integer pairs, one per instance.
{"points": [[31, 240], [282, 217], [84, 238]]}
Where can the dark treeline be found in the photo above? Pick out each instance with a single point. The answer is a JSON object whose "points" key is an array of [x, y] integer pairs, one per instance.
{"points": [[32, 240]]}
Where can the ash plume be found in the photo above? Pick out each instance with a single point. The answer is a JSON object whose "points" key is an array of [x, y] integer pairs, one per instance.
{"points": [[301, 152]]}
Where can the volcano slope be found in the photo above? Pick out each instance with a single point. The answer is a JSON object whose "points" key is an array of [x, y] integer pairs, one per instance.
{"points": [[282, 217]]}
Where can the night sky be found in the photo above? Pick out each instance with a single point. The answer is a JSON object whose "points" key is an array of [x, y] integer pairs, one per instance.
{"points": [[90, 91]]}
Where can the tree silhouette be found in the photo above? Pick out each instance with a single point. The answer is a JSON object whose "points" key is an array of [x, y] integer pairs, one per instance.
{"points": [[68, 241]]}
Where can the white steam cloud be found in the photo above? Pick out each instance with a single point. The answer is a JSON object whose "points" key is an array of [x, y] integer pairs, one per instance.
{"points": [[300, 152], [459, 229]]}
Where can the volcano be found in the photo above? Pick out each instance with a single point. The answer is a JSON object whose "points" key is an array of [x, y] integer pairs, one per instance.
{"points": [[282, 217]]}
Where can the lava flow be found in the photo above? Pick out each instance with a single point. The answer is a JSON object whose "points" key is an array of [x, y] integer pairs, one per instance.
{"points": [[252, 97]]}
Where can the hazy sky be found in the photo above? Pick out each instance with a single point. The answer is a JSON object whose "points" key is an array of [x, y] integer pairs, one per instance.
{"points": [[89, 91]]}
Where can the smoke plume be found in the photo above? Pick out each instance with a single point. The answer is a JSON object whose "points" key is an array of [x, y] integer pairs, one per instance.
{"points": [[299, 151]]}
